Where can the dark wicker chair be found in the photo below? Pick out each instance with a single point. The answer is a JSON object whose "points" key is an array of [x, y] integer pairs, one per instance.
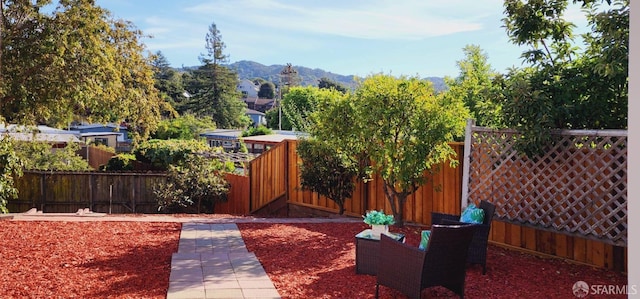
{"points": [[478, 248], [411, 270]]}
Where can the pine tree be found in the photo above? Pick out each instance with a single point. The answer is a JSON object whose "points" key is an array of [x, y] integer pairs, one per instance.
{"points": [[214, 86]]}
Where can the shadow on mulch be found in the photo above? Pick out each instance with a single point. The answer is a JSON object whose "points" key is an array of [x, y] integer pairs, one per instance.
{"points": [[318, 261]]}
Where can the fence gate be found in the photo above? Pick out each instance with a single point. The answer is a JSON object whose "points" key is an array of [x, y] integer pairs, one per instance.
{"points": [[577, 187]]}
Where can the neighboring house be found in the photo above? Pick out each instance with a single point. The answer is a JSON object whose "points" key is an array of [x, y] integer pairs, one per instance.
{"points": [[111, 135], [261, 143], [228, 139], [56, 137], [257, 117], [260, 104], [248, 88], [263, 105], [110, 139]]}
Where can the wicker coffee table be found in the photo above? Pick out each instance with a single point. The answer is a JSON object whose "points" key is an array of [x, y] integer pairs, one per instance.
{"points": [[367, 248]]}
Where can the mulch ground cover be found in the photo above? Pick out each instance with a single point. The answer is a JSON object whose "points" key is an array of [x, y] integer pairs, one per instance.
{"points": [[45, 259], [86, 259], [318, 261]]}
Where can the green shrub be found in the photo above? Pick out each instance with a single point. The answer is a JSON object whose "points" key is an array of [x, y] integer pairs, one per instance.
{"points": [[162, 153], [194, 186], [255, 131], [119, 162], [10, 167], [41, 156], [324, 171]]}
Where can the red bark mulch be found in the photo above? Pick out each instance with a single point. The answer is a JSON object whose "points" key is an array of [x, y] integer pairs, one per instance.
{"points": [[86, 259], [132, 260], [318, 261]]}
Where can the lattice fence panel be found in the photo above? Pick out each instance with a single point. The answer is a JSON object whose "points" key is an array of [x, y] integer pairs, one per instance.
{"points": [[577, 187]]}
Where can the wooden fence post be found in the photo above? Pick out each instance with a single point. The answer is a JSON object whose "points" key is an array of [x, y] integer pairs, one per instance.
{"points": [[465, 164], [43, 191]]}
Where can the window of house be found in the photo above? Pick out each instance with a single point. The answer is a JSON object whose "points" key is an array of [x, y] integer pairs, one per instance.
{"points": [[101, 140]]}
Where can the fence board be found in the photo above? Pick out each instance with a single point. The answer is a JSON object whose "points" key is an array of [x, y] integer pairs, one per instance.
{"points": [[238, 198]]}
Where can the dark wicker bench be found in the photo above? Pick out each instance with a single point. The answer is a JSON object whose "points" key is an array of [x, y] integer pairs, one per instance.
{"points": [[443, 263], [478, 248]]}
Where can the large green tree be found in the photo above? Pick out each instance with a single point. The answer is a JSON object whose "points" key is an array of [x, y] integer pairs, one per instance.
{"points": [[186, 126], [399, 125], [214, 86], [168, 81], [267, 90], [476, 86], [74, 63], [565, 87], [300, 102]]}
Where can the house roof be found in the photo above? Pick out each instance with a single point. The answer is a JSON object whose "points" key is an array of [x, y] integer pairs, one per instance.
{"points": [[85, 126], [229, 134], [263, 101], [254, 112], [12, 128], [45, 137], [270, 139]]}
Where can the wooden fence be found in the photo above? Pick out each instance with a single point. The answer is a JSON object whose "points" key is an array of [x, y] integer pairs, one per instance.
{"points": [[105, 192], [95, 156], [274, 177], [268, 176], [443, 193], [569, 202]]}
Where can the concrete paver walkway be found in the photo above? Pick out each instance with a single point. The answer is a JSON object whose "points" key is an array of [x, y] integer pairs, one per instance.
{"points": [[213, 262]]}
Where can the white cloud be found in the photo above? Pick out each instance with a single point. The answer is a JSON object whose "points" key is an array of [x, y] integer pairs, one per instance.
{"points": [[407, 20]]}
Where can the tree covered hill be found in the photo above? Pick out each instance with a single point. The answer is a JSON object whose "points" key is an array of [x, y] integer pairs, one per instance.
{"points": [[250, 70]]}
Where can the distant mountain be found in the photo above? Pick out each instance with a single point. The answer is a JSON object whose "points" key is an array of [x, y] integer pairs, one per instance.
{"points": [[438, 83], [251, 69]]}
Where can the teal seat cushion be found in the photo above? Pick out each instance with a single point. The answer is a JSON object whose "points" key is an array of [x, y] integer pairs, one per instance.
{"points": [[424, 239], [472, 214]]}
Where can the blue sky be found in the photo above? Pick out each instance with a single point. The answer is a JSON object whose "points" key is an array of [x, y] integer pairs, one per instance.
{"points": [[348, 37]]}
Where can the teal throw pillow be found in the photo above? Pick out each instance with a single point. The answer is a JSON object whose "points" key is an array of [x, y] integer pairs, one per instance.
{"points": [[472, 214], [424, 239]]}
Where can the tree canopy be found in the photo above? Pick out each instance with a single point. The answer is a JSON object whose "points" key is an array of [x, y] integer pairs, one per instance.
{"points": [[75, 63], [186, 126], [168, 82], [396, 123], [325, 171], [326, 83], [562, 87], [300, 102], [214, 86], [267, 90], [476, 85]]}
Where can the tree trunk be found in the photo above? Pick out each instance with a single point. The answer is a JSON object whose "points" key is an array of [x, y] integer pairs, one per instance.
{"points": [[401, 200], [397, 203]]}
